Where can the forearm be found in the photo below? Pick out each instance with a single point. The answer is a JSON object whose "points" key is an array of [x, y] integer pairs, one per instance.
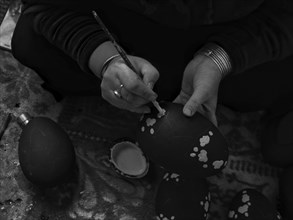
{"points": [[263, 36], [76, 34]]}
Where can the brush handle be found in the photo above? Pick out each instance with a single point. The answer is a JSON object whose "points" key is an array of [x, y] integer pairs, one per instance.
{"points": [[124, 57], [118, 48]]}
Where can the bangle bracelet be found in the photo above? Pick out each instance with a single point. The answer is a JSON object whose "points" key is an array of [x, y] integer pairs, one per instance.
{"points": [[219, 56], [106, 64]]}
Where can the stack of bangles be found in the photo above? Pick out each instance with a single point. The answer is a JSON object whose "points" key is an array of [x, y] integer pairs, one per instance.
{"points": [[218, 55]]}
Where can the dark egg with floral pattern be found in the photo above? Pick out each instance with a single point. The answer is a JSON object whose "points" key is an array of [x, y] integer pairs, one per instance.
{"points": [[250, 204], [190, 146], [184, 199]]}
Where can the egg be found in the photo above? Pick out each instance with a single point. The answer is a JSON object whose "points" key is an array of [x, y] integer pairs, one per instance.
{"points": [[250, 204], [184, 199], [128, 159], [190, 146], [46, 154], [286, 192]]}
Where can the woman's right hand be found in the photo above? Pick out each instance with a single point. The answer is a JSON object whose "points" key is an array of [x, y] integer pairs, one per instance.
{"points": [[132, 92]]}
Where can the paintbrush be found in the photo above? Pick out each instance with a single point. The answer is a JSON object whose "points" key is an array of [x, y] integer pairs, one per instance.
{"points": [[125, 58]]}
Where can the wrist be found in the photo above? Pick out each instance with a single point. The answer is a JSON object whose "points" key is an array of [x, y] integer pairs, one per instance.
{"points": [[219, 56], [99, 57]]}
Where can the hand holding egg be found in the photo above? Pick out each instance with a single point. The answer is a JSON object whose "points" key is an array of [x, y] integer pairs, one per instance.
{"points": [[190, 146]]}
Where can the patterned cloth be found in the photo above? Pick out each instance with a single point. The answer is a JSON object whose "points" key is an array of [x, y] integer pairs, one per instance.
{"points": [[97, 191]]}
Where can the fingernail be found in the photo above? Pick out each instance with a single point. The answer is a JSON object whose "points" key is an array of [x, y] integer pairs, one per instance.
{"points": [[187, 111]]}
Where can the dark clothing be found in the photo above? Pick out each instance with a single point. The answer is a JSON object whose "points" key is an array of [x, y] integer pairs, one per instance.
{"points": [[256, 34], [252, 33]]}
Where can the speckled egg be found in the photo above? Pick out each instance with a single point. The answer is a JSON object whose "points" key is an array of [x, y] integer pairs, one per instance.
{"points": [[46, 154], [250, 204], [189, 146], [286, 192], [179, 198]]}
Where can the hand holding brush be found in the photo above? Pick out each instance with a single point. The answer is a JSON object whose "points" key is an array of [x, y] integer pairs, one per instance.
{"points": [[118, 92]]}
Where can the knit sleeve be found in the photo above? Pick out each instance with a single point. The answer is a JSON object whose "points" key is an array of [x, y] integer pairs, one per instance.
{"points": [[264, 35], [77, 34]]}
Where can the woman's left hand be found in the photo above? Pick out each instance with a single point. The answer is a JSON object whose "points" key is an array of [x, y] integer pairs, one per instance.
{"points": [[199, 89]]}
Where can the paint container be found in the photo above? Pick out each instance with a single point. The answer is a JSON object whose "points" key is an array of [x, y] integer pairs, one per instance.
{"points": [[128, 159]]}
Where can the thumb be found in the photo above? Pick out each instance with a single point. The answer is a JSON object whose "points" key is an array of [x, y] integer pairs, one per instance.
{"points": [[192, 105]]}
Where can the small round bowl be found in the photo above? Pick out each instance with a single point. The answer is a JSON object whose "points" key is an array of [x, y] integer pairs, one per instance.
{"points": [[128, 159]]}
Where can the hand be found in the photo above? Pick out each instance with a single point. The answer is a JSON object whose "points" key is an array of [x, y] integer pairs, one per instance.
{"points": [[199, 90], [136, 92]]}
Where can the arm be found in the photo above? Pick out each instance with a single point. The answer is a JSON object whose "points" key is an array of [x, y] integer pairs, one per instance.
{"points": [[264, 35], [76, 34]]}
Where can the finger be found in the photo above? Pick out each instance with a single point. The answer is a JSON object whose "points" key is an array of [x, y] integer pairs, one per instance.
{"points": [[109, 84], [182, 98], [132, 99], [198, 97], [135, 85], [150, 75], [193, 103], [122, 104]]}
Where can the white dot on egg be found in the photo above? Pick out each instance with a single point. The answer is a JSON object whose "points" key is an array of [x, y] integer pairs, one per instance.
{"points": [[246, 214], [218, 164], [195, 149], [141, 117], [172, 217], [245, 198], [203, 156], [206, 206], [204, 140], [142, 129], [243, 209], [174, 175], [231, 214], [192, 154], [210, 133], [152, 131], [205, 166], [166, 176], [150, 121]]}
